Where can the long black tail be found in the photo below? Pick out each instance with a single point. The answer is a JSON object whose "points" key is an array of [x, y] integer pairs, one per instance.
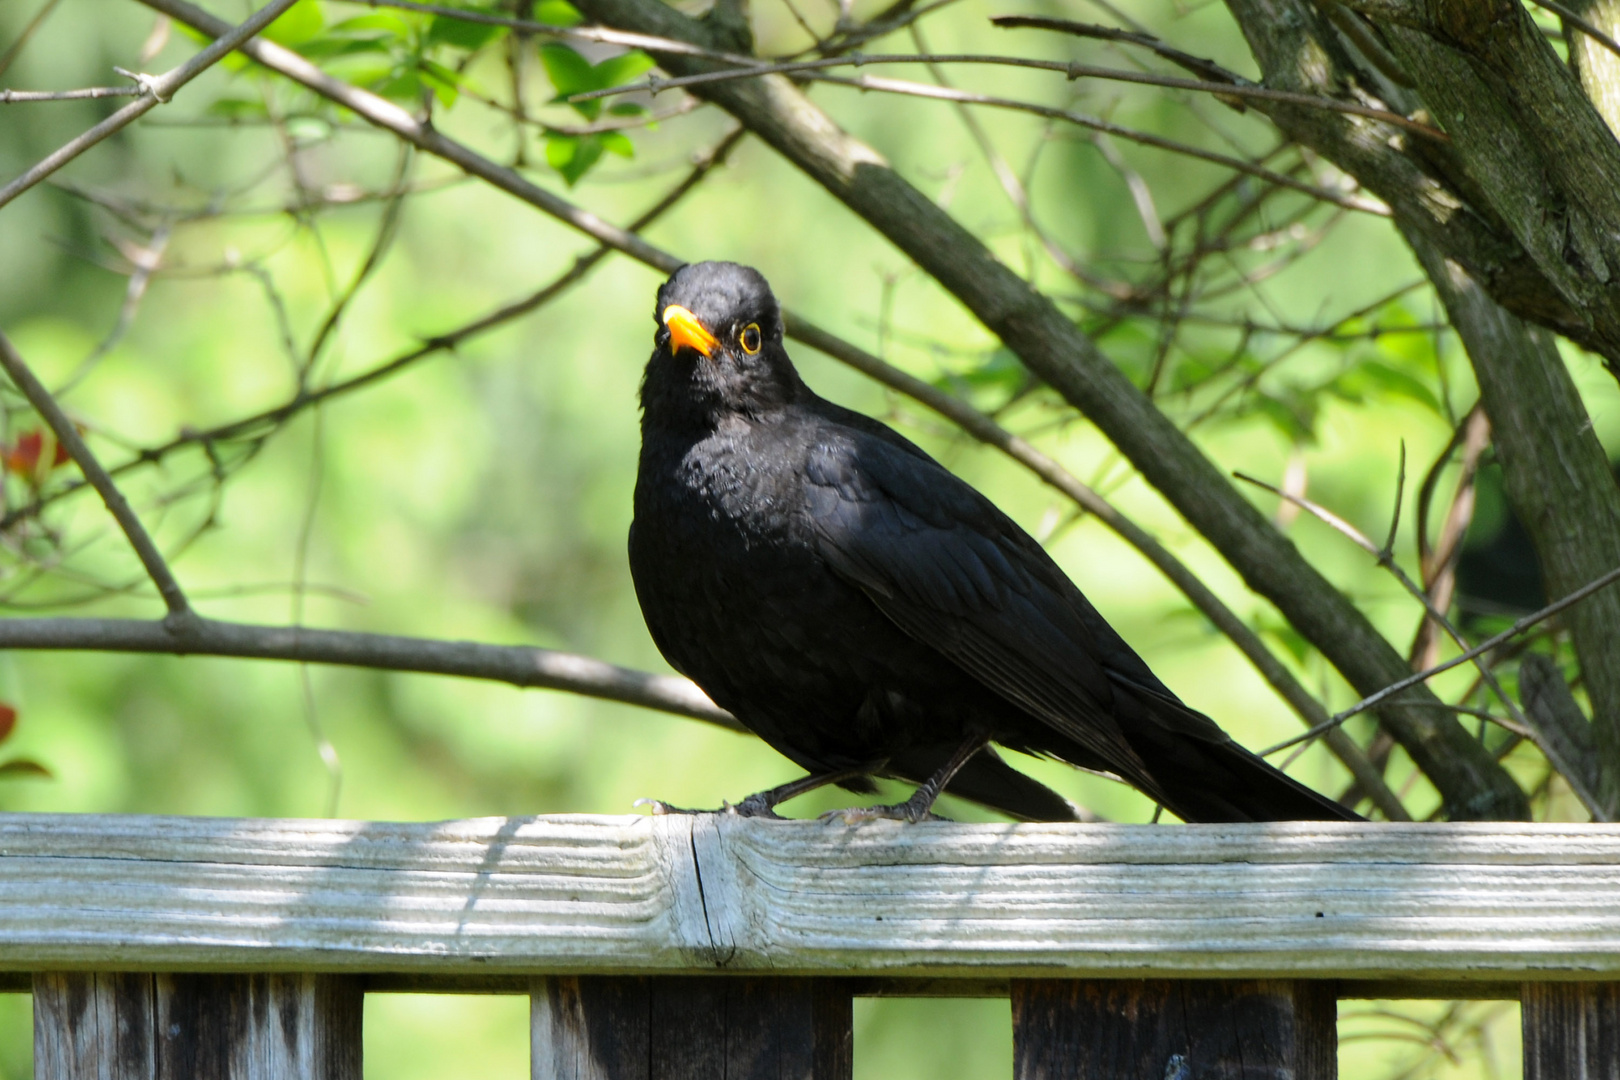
{"points": [[1201, 775]]}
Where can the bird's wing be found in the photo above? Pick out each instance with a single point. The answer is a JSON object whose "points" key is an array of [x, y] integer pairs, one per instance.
{"points": [[955, 573]]}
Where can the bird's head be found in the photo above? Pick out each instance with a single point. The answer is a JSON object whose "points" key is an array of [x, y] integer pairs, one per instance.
{"points": [[718, 346]]}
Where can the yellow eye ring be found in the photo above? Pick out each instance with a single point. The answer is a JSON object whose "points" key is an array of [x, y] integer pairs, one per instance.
{"points": [[750, 339]]}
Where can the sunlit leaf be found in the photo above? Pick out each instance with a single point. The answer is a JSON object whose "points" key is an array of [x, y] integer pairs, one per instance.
{"points": [[557, 13], [573, 155], [616, 142], [301, 22], [621, 69]]}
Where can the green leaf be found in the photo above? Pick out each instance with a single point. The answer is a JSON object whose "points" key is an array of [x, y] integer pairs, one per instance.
{"points": [[300, 23], [461, 34], [405, 85], [1376, 376], [237, 108], [333, 46], [557, 13], [616, 142], [621, 69], [569, 72], [626, 108], [573, 155], [445, 83]]}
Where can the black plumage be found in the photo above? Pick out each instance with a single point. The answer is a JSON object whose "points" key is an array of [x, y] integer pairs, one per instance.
{"points": [[866, 612]]}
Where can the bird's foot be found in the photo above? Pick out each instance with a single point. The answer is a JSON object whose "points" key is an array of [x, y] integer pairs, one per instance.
{"points": [[756, 805], [752, 807], [907, 811]]}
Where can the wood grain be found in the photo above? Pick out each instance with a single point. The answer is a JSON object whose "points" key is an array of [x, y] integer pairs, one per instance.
{"points": [[1128, 1029], [686, 1028], [140, 1026], [476, 900], [1571, 1031]]}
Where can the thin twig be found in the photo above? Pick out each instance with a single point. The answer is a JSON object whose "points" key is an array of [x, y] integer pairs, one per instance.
{"points": [[1519, 627], [67, 436], [912, 89], [19, 97], [159, 89], [1072, 71]]}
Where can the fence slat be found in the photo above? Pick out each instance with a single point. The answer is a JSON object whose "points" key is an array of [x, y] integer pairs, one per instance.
{"points": [[1571, 1031], [1173, 1030], [672, 1028], [119, 1026]]}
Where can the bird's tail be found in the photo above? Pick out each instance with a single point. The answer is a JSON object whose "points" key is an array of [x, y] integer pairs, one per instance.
{"points": [[1201, 775]]}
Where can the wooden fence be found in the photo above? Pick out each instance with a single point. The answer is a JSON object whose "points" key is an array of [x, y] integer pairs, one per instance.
{"points": [[702, 948]]}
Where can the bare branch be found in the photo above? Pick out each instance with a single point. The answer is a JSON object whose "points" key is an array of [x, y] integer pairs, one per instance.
{"points": [[18, 97], [68, 436], [158, 90], [518, 665]]}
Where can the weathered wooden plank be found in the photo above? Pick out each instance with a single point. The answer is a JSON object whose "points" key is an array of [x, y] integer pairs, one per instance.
{"points": [[633, 895], [135, 1026], [673, 1028], [1129, 1029], [1571, 1031]]}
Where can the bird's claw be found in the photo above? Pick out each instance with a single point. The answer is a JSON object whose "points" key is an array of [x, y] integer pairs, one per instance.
{"points": [[660, 808], [907, 812]]}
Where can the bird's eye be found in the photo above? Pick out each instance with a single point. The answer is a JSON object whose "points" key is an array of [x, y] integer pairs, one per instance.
{"points": [[750, 338]]}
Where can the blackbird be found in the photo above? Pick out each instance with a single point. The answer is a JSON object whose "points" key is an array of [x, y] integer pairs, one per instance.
{"points": [[867, 613]]}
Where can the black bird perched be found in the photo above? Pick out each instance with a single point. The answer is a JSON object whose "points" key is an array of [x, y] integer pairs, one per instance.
{"points": [[867, 613]]}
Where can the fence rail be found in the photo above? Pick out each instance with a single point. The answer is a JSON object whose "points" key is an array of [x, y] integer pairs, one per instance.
{"points": [[192, 926]]}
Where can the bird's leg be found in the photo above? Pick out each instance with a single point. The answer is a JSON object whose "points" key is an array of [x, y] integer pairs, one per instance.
{"points": [[764, 803], [920, 806]]}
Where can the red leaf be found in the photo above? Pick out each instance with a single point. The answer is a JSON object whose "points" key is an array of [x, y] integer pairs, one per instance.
{"points": [[8, 721], [24, 458]]}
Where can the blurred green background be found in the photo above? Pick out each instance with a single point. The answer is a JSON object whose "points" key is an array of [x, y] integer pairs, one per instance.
{"points": [[485, 494]]}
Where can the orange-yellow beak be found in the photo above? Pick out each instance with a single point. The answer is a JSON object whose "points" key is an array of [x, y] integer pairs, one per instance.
{"points": [[684, 329]]}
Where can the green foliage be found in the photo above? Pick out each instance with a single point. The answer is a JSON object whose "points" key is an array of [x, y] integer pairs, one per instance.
{"points": [[570, 74]]}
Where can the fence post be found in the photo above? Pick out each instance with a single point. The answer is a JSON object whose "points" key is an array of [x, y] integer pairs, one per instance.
{"points": [[141, 1026], [1212, 1029], [1571, 1030], [690, 1028]]}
